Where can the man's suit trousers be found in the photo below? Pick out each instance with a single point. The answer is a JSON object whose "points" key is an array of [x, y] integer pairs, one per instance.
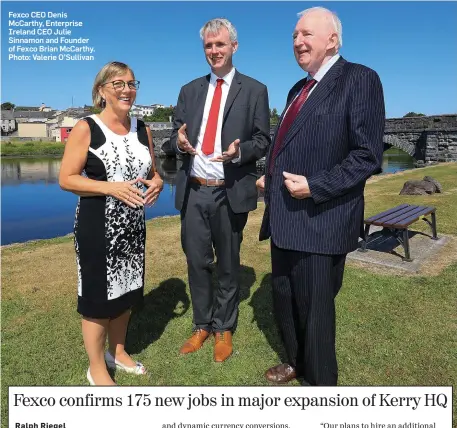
{"points": [[304, 289], [208, 222]]}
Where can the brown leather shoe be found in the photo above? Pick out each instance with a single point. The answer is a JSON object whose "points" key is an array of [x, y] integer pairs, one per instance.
{"points": [[195, 342], [281, 374], [222, 346]]}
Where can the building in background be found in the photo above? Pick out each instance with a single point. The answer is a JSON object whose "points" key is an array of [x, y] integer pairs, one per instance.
{"points": [[43, 107], [26, 116], [8, 123], [51, 125], [33, 130], [138, 110], [65, 123]]}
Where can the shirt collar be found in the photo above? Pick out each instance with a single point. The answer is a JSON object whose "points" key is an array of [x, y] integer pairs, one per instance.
{"points": [[326, 67], [227, 78]]}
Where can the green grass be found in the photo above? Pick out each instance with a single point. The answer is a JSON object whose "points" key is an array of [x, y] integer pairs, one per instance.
{"points": [[384, 194], [32, 148], [391, 329]]}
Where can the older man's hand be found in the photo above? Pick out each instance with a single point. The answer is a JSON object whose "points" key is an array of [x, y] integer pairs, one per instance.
{"points": [[260, 183], [297, 185]]}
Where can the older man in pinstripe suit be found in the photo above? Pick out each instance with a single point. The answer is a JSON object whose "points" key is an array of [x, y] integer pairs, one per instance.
{"points": [[328, 142]]}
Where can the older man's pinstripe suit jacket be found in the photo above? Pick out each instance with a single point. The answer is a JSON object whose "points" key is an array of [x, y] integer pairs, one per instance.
{"points": [[336, 142]]}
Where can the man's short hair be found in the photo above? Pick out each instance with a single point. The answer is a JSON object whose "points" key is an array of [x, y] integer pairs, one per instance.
{"points": [[336, 22], [214, 26]]}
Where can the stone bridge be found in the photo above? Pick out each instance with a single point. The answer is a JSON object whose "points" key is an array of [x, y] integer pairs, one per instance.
{"points": [[426, 138]]}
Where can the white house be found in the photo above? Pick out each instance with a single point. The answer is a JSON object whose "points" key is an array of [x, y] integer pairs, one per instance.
{"points": [[140, 110], [8, 122]]}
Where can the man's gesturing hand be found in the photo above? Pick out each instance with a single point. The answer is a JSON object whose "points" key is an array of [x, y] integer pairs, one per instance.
{"points": [[183, 142], [297, 185], [232, 152]]}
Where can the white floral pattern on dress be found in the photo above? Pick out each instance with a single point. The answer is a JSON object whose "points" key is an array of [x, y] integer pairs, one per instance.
{"points": [[124, 159]]}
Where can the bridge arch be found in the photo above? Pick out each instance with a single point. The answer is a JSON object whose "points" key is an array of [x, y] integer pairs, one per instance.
{"points": [[406, 146]]}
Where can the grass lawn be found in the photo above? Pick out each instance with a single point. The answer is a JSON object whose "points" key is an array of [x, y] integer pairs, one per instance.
{"points": [[32, 148], [392, 329]]}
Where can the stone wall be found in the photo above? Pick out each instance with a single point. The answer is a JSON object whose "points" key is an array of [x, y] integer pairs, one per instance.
{"points": [[160, 137], [426, 138], [441, 145], [406, 124]]}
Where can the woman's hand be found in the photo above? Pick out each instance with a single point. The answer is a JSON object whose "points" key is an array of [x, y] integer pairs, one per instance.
{"points": [[126, 192], [155, 186]]}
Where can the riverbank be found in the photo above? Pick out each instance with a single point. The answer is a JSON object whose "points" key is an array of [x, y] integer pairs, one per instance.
{"points": [[391, 329], [32, 149]]}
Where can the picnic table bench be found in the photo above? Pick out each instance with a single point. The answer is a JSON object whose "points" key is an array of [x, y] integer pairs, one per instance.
{"points": [[396, 221]]}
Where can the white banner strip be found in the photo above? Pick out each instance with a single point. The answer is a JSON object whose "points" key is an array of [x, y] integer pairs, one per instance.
{"points": [[230, 407]]}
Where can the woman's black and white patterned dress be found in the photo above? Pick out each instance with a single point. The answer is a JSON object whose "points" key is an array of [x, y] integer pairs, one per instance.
{"points": [[109, 235]]}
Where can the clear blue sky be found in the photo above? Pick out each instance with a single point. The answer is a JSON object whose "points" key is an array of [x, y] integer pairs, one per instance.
{"points": [[412, 45]]}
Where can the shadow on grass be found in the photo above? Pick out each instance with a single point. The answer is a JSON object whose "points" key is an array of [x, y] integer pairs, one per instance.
{"points": [[166, 302], [162, 304], [385, 241], [247, 279], [262, 305]]}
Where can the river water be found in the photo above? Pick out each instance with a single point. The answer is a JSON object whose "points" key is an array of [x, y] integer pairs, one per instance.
{"points": [[34, 206]]}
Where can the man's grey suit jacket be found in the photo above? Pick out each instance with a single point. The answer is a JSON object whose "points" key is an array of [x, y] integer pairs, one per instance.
{"points": [[246, 116]]}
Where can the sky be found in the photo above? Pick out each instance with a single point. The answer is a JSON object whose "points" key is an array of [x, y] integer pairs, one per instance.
{"points": [[411, 45]]}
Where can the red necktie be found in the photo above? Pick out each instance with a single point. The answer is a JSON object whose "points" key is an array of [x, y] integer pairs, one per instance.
{"points": [[288, 119], [211, 126]]}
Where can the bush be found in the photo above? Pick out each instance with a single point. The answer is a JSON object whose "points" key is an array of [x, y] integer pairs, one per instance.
{"points": [[31, 148], [413, 114]]}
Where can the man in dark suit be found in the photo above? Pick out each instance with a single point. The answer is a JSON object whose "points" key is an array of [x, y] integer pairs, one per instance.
{"points": [[222, 128], [328, 142]]}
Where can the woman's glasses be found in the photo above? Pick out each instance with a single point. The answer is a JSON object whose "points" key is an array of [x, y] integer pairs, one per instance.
{"points": [[119, 85]]}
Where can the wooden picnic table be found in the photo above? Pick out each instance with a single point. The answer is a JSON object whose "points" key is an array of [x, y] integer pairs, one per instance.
{"points": [[397, 220]]}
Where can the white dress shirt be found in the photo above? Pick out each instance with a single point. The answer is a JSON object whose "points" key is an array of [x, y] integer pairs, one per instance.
{"points": [[323, 71], [320, 74], [202, 167]]}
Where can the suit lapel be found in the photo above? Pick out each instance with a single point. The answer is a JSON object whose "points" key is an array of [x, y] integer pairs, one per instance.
{"points": [[298, 86], [235, 88], [319, 94], [199, 108]]}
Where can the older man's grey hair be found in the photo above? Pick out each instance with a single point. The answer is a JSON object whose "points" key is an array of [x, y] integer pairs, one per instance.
{"points": [[335, 20], [214, 25]]}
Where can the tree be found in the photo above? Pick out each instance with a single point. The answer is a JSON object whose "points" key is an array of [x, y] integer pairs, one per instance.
{"points": [[274, 117], [95, 110], [161, 115], [19, 108], [8, 106], [412, 114]]}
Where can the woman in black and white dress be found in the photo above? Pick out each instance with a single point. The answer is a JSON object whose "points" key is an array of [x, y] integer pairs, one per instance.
{"points": [[109, 163]]}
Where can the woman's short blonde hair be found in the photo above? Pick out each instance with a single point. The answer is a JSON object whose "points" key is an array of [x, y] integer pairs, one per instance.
{"points": [[110, 70]]}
